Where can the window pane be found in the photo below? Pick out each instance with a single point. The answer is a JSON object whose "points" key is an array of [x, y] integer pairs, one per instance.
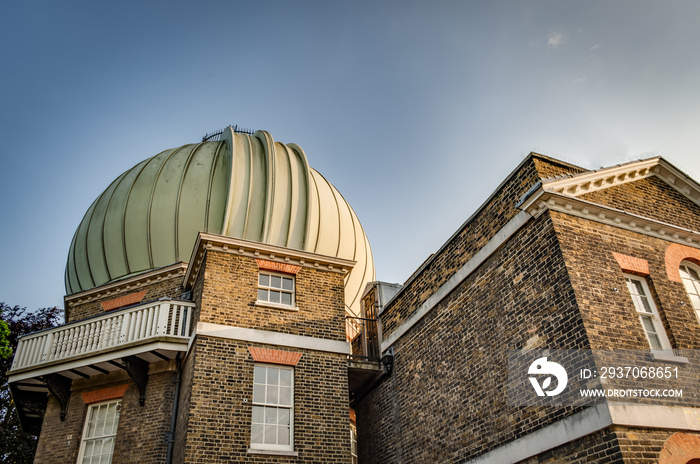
{"points": [[271, 434], [264, 280], [272, 394], [258, 414], [274, 296], [262, 294], [695, 300], [287, 298], [285, 377], [287, 283], [273, 375], [645, 304], [654, 341], [648, 324], [276, 281], [271, 416], [283, 435], [258, 393], [286, 396], [283, 416], [259, 374], [256, 433]]}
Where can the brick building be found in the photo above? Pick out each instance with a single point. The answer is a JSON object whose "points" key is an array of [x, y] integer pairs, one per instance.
{"points": [[216, 291], [558, 258], [207, 294]]}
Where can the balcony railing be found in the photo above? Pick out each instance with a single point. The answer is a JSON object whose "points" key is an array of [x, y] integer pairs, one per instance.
{"points": [[364, 341], [128, 327]]}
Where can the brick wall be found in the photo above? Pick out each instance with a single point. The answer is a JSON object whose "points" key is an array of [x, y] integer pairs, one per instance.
{"points": [[652, 198], [162, 288], [230, 288], [493, 215], [141, 432], [220, 405], [599, 447], [609, 315], [446, 398]]}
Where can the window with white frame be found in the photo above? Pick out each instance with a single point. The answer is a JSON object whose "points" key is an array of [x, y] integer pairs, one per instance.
{"points": [[276, 288], [353, 443], [690, 276], [272, 425], [97, 445], [648, 314]]}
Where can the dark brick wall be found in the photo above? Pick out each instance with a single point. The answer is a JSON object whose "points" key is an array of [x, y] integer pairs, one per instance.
{"points": [[446, 398], [219, 418], [599, 447], [550, 285], [487, 222], [141, 432]]}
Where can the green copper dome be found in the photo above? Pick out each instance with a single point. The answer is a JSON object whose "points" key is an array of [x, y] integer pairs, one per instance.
{"points": [[244, 186]]}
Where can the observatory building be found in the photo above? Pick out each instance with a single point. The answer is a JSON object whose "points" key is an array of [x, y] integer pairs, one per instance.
{"points": [[221, 306]]}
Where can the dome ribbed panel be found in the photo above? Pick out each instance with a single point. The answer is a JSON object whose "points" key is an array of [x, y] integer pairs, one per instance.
{"points": [[113, 230], [162, 214], [328, 218], [246, 186]]}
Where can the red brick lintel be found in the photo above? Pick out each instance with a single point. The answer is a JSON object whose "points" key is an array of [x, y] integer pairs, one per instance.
{"points": [[266, 355], [632, 265], [122, 301], [278, 267], [104, 394]]}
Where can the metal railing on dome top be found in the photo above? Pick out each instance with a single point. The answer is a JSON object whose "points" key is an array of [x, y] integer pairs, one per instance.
{"points": [[216, 136]]}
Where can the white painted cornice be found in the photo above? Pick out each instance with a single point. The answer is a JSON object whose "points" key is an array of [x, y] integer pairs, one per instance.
{"points": [[592, 181], [542, 200], [259, 250]]}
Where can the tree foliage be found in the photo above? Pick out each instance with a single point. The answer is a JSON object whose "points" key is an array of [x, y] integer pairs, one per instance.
{"points": [[16, 446]]}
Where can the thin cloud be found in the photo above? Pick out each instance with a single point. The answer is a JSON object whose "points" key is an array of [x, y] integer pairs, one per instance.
{"points": [[555, 39]]}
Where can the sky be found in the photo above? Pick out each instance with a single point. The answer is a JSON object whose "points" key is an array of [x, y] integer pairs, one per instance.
{"points": [[414, 110]]}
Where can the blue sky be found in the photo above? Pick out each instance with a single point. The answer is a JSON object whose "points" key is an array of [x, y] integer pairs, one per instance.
{"points": [[415, 111]]}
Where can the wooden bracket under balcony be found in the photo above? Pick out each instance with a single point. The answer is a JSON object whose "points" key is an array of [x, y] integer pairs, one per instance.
{"points": [[59, 386], [137, 369]]}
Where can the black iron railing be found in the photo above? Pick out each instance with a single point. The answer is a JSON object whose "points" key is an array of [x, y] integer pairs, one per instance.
{"points": [[363, 336], [216, 136]]}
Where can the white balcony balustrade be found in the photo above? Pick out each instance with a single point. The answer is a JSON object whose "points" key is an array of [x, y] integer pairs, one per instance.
{"points": [[158, 326]]}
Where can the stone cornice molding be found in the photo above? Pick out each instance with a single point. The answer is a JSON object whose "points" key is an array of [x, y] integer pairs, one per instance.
{"points": [[592, 181], [264, 251], [543, 200], [127, 283]]}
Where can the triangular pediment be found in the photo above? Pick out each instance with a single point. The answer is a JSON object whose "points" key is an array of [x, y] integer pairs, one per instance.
{"points": [[580, 185]]}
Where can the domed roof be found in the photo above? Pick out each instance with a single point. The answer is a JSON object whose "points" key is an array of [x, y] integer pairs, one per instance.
{"points": [[244, 186]]}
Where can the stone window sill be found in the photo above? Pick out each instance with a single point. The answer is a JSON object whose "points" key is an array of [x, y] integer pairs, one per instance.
{"points": [[668, 356], [272, 452], [267, 304]]}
